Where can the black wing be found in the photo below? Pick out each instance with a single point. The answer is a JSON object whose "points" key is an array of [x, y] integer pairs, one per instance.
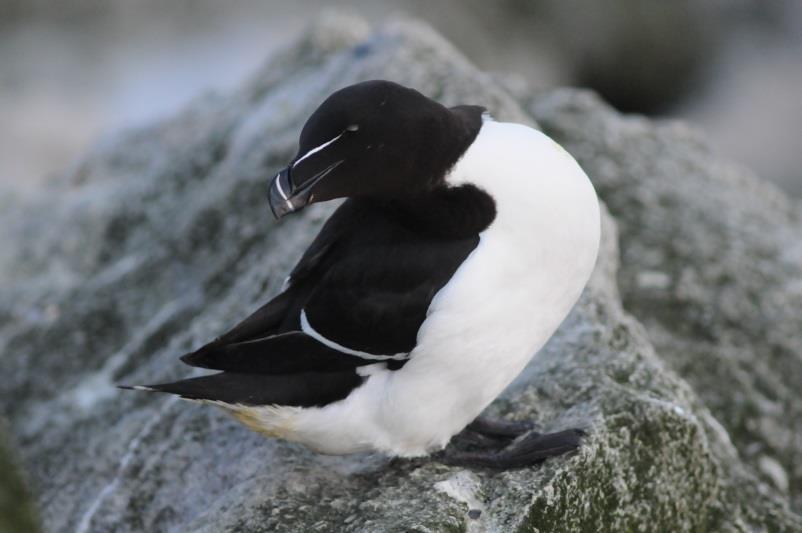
{"points": [[363, 288], [364, 285], [304, 389]]}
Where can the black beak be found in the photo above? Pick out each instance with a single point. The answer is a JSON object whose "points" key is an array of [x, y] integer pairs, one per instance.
{"points": [[285, 197], [280, 195]]}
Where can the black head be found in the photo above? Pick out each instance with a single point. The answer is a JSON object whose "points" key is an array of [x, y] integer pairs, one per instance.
{"points": [[374, 139]]}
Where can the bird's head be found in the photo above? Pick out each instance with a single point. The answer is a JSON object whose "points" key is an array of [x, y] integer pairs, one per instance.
{"points": [[374, 139]]}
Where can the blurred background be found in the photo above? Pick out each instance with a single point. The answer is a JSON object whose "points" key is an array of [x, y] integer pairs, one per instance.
{"points": [[71, 70]]}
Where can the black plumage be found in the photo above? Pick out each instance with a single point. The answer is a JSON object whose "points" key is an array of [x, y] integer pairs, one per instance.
{"points": [[306, 389], [368, 278], [362, 291], [366, 283]]}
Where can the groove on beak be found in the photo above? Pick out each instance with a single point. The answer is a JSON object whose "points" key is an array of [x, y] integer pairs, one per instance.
{"points": [[285, 197]]}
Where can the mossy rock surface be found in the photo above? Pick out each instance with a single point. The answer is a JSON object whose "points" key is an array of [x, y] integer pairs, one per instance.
{"points": [[17, 513], [160, 238]]}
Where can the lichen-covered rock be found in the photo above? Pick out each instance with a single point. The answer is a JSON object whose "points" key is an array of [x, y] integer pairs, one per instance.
{"points": [[711, 265], [161, 238], [16, 511]]}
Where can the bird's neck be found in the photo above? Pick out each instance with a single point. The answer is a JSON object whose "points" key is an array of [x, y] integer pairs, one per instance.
{"points": [[445, 212]]}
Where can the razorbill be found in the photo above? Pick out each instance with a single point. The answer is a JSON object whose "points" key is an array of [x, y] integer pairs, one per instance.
{"points": [[462, 245]]}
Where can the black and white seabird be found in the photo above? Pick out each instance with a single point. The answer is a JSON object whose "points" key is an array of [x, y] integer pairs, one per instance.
{"points": [[461, 246]]}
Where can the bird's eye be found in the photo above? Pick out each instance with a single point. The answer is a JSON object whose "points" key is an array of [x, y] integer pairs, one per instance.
{"points": [[352, 127]]}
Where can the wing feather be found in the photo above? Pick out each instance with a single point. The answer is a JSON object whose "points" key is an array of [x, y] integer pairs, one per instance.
{"points": [[365, 284], [302, 390]]}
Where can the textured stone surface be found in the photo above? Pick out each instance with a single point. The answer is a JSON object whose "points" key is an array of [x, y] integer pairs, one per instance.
{"points": [[161, 238], [711, 265], [17, 514]]}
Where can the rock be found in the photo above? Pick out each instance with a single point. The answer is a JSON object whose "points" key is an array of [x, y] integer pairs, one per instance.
{"points": [[774, 471], [615, 45], [727, 311], [17, 514], [647, 57], [155, 242]]}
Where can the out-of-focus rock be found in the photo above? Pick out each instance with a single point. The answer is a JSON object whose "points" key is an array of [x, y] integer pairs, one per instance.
{"points": [[641, 56], [162, 238]]}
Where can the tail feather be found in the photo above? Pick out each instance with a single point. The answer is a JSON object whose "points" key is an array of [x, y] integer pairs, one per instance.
{"points": [[301, 390], [137, 387]]}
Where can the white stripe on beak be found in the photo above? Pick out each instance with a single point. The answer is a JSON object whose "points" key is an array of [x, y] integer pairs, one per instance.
{"points": [[281, 190]]}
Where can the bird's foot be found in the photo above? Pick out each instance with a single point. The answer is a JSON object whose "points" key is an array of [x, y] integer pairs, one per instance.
{"points": [[500, 429], [528, 450], [489, 433]]}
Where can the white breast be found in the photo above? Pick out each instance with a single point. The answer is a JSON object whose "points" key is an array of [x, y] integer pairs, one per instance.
{"points": [[501, 306]]}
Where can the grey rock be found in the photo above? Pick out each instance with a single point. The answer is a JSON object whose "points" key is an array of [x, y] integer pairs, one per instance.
{"points": [[711, 264], [160, 238], [17, 514]]}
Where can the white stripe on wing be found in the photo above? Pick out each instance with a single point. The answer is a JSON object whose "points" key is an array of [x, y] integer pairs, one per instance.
{"points": [[309, 330]]}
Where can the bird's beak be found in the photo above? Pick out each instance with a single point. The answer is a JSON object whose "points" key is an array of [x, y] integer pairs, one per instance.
{"points": [[285, 196], [280, 195]]}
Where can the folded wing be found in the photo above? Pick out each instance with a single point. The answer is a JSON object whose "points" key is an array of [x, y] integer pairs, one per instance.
{"points": [[357, 297]]}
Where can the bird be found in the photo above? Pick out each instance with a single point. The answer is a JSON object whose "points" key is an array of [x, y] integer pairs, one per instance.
{"points": [[462, 243]]}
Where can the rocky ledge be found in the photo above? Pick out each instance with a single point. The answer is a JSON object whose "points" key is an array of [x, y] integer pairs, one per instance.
{"points": [[683, 358]]}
